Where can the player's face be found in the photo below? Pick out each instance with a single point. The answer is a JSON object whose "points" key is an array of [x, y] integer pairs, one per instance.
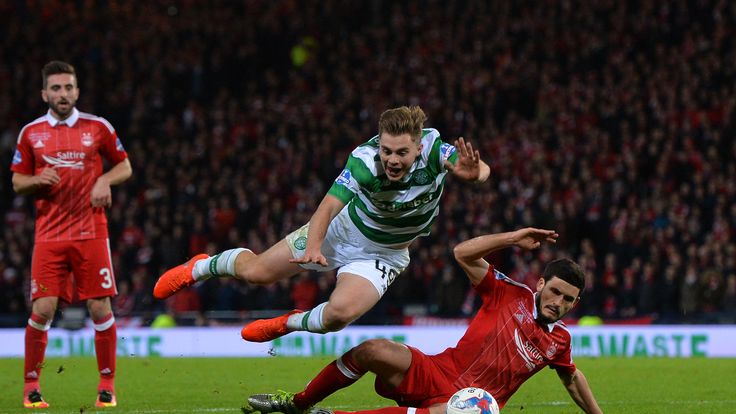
{"points": [[61, 93], [398, 153], [555, 298]]}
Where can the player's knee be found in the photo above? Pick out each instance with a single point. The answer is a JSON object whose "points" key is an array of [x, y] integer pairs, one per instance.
{"points": [[256, 275], [99, 308], [370, 351], [46, 313], [45, 309], [338, 316], [253, 271]]}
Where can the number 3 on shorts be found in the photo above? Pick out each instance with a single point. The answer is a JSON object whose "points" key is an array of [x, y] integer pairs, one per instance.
{"points": [[106, 278]]}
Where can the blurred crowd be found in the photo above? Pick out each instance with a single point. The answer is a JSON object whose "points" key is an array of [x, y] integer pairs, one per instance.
{"points": [[609, 121]]}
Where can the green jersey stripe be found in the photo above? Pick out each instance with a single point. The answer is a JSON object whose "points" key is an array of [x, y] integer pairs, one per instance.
{"points": [[383, 237], [410, 221]]}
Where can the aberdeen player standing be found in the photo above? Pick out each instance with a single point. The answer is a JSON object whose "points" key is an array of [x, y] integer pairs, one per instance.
{"points": [[515, 334], [59, 160]]}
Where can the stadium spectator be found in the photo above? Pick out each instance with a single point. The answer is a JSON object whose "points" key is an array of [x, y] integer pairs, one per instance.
{"points": [[59, 159]]}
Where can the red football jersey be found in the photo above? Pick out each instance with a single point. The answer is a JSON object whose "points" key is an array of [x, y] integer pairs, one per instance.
{"points": [[75, 147], [504, 345]]}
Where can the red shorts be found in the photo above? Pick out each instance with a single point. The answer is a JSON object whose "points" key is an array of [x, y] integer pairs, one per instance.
{"points": [[427, 382], [89, 262]]}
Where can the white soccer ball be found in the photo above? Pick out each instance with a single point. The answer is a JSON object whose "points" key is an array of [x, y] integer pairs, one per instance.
{"points": [[472, 401]]}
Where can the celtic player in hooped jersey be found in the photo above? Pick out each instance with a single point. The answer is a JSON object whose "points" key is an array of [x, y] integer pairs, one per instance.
{"points": [[387, 196]]}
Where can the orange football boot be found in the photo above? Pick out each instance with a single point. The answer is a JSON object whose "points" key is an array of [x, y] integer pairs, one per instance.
{"points": [[34, 400], [264, 330], [176, 278]]}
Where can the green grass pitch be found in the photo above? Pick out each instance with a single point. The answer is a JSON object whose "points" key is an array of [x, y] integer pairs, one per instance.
{"points": [[220, 385]]}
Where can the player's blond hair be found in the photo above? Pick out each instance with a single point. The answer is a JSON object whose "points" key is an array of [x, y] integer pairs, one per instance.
{"points": [[403, 120]]}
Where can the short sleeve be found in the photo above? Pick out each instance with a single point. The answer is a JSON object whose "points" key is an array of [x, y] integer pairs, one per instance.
{"points": [[440, 151], [23, 162], [354, 176], [111, 147], [448, 152], [563, 362]]}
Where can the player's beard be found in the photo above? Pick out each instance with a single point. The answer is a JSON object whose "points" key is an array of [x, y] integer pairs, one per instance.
{"points": [[540, 316], [62, 113]]}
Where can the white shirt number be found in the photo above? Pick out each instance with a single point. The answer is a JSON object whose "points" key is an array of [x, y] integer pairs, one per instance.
{"points": [[106, 278]]}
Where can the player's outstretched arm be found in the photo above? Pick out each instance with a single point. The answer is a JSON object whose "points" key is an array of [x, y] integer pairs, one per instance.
{"points": [[27, 184], [469, 166], [469, 254], [578, 388], [327, 210]]}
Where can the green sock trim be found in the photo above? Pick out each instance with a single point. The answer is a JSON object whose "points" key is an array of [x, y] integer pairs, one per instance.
{"points": [[305, 321], [213, 265]]}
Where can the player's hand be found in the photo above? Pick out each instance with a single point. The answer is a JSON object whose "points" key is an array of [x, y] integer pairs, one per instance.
{"points": [[531, 238], [311, 256], [467, 166], [101, 196], [48, 176]]}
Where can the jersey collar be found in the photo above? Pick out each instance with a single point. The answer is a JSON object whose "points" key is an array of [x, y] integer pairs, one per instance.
{"points": [[70, 121], [549, 326]]}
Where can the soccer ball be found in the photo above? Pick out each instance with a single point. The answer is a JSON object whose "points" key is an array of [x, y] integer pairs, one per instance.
{"points": [[472, 401]]}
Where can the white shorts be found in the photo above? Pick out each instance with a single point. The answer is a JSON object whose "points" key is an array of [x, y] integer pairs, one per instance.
{"points": [[349, 251]]}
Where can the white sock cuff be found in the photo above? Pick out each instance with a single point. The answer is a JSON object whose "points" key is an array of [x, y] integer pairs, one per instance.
{"points": [[224, 263], [313, 319], [103, 326], [346, 371], [41, 327]]}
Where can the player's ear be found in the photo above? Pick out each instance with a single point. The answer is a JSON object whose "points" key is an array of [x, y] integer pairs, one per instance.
{"points": [[540, 284], [44, 96]]}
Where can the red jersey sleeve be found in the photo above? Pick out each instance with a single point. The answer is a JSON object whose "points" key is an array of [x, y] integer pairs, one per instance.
{"points": [[23, 162], [563, 361], [490, 289], [111, 147]]}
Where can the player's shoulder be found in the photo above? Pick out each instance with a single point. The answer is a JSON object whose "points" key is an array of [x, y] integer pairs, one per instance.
{"points": [[29, 127], [367, 151], [87, 117], [511, 283], [561, 329], [430, 135]]}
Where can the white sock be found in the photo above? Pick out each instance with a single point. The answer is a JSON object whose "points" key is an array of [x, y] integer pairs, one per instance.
{"points": [[308, 321], [219, 265]]}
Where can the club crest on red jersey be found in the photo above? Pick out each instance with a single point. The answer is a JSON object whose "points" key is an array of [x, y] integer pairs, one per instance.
{"points": [[87, 139]]}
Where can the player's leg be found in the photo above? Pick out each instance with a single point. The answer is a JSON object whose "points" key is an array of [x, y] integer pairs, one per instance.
{"points": [[435, 409], [267, 267], [387, 359], [49, 277], [103, 320], [353, 296], [36, 339], [95, 282]]}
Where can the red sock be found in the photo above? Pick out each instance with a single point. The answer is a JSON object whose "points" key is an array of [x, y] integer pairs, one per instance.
{"points": [[36, 340], [387, 410], [339, 374], [106, 339]]}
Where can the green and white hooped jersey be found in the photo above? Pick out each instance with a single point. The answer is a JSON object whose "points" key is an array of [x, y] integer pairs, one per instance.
{"points": [[390, 213]]}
